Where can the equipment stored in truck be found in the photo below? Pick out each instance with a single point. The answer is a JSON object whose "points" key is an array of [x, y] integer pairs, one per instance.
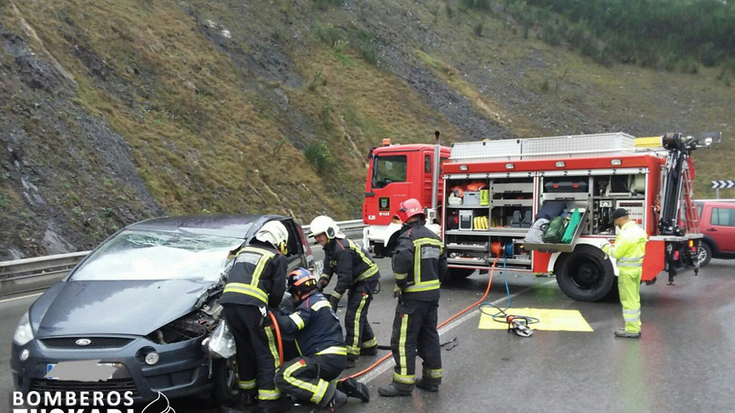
{"points": [[562, 189]]}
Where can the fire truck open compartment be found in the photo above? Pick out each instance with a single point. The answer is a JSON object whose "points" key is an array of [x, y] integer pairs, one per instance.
{"points": [[593, 174], [494, 191]]}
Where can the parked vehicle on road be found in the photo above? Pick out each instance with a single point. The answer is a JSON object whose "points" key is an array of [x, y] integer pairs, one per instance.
{"points": [[495, 192], [140, 307], [717, 223]]}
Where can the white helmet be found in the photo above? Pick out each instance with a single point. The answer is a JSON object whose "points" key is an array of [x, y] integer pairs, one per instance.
{"points": [[325, 225], [274, 233]]}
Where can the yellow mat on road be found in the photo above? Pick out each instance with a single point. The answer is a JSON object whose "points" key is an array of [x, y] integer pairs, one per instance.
{"points": [[550, 320]]}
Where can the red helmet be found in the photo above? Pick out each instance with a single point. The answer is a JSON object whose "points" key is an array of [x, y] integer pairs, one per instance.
{"points": [[409, 208]]}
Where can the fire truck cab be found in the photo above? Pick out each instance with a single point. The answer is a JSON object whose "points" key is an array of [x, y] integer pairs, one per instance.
{"points": [[496, 189], [395, 173]]}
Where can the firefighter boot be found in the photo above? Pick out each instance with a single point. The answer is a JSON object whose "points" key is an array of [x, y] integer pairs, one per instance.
{"points": [[396, 390], [427, 385], [352, 388], [624, 334], [245, 402], [281, 405], [370, 351], [335, 403]]}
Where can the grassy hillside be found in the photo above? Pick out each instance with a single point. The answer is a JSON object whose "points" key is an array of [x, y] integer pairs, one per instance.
{"points": [[113, 111]]}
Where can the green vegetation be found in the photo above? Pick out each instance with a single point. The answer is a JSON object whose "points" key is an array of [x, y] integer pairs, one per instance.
{"points": [[318, 156], [652, 33], [476, 4], [325, 4], [233, 108], [478, 29]]}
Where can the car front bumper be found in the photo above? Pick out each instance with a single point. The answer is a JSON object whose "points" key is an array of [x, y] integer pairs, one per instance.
{"points": [[183, 368]]}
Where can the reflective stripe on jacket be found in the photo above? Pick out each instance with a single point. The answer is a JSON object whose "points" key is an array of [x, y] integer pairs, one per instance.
{"points": [[352, 264], [257, 276], [630, 247], [315, 326], [419, 262]]}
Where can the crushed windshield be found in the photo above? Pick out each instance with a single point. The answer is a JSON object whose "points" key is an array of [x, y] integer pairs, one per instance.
{"points": [[158, 255]]}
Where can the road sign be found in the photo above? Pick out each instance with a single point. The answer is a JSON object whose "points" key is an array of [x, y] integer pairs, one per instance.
{"points": [[723, 184]]}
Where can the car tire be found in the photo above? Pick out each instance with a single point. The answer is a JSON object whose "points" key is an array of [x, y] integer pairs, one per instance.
{"points": [[225, 389], [704, 255], [585, 274]]}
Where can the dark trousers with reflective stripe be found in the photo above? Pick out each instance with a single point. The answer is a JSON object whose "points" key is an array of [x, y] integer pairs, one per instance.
{"points": [[308, 379], [257, 352], [358, 333], [414, 328]]}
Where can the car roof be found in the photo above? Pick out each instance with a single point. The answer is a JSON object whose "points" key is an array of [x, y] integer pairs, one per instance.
{"points": [[235, 226]]}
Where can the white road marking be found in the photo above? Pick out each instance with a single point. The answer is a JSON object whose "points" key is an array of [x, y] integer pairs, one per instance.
{"points": [[19, 298], [470, 314]]}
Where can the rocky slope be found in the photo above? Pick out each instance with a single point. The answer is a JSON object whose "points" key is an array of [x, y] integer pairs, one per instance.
{"points": [[114, 111]]}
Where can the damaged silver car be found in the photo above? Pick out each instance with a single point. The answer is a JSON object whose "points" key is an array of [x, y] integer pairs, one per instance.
{"points": [[138, 311]]}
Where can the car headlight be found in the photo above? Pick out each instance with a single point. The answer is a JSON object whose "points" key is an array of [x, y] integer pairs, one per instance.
{"points": [[24, 333]]}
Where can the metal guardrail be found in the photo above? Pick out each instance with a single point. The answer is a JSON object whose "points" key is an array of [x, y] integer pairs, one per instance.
{"points": [[33, 274]]}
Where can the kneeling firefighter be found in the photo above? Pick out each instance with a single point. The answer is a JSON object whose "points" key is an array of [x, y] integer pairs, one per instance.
{"points": [[419, 262], [318, 334], [256, 280], [355, 271]]}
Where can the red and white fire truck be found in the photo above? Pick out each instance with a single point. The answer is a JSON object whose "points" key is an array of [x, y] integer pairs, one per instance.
{"points": [[492, 191]]}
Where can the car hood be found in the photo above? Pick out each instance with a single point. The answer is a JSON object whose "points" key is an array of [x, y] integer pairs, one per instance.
{"points": [[112, 307]]}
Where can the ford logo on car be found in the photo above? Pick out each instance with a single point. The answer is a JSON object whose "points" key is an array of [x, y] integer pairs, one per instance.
{"points": [[83, 342]]}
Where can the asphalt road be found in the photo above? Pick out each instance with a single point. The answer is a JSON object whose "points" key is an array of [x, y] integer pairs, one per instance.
{"points": [[684, 362]]}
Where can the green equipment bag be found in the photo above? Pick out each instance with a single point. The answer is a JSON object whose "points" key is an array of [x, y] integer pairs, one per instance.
{"points": [[571, 227], [555, 230]]}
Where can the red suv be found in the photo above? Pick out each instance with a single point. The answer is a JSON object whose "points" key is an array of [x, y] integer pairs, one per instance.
{"points": [[717, 223]]}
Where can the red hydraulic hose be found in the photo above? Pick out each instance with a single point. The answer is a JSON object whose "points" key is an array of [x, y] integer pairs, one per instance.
{"points": [[278, 337], [443, 323]]}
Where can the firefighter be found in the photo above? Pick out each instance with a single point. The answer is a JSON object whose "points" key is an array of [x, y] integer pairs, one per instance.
{"points": [[355, 271], [419, 262], [309, 378], [629, 250], [256, 280]]}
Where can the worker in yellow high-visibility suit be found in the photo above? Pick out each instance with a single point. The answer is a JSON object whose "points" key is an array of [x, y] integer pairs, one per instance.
{"points": [[629, 250]]}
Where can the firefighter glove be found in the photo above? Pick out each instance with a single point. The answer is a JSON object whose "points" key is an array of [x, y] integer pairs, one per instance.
{"points": [[322, 284], [333, 301], [397, 292], [606, 249]]}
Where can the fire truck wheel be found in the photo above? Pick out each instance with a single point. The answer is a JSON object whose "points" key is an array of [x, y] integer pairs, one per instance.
{"points": [[704, 255], [585, 275], [224, 377]]}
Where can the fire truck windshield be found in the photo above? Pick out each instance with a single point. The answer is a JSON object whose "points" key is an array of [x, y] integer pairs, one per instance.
{"points": [[388, 169]]}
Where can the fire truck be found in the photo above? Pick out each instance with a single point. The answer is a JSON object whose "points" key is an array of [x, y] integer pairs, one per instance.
{"points": [[491, 192]]}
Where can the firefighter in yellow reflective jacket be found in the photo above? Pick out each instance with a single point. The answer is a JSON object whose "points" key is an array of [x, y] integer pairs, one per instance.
{"points": [[629, 250], [419, 262], [357, 272], [256, 280]]}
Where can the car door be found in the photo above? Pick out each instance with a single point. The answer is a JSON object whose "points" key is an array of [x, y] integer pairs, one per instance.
{"points": [[298, 251], [722, 227]]}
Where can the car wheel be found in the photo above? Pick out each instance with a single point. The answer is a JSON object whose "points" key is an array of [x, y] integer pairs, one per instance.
{"points": [[225, 381], [704, 255], [585, 274]]}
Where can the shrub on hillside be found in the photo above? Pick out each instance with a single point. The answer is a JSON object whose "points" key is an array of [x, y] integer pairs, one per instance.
{"points": [[318, 156]]}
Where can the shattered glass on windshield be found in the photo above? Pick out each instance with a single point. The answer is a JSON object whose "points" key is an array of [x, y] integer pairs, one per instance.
{"points": [[158, 255]]}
